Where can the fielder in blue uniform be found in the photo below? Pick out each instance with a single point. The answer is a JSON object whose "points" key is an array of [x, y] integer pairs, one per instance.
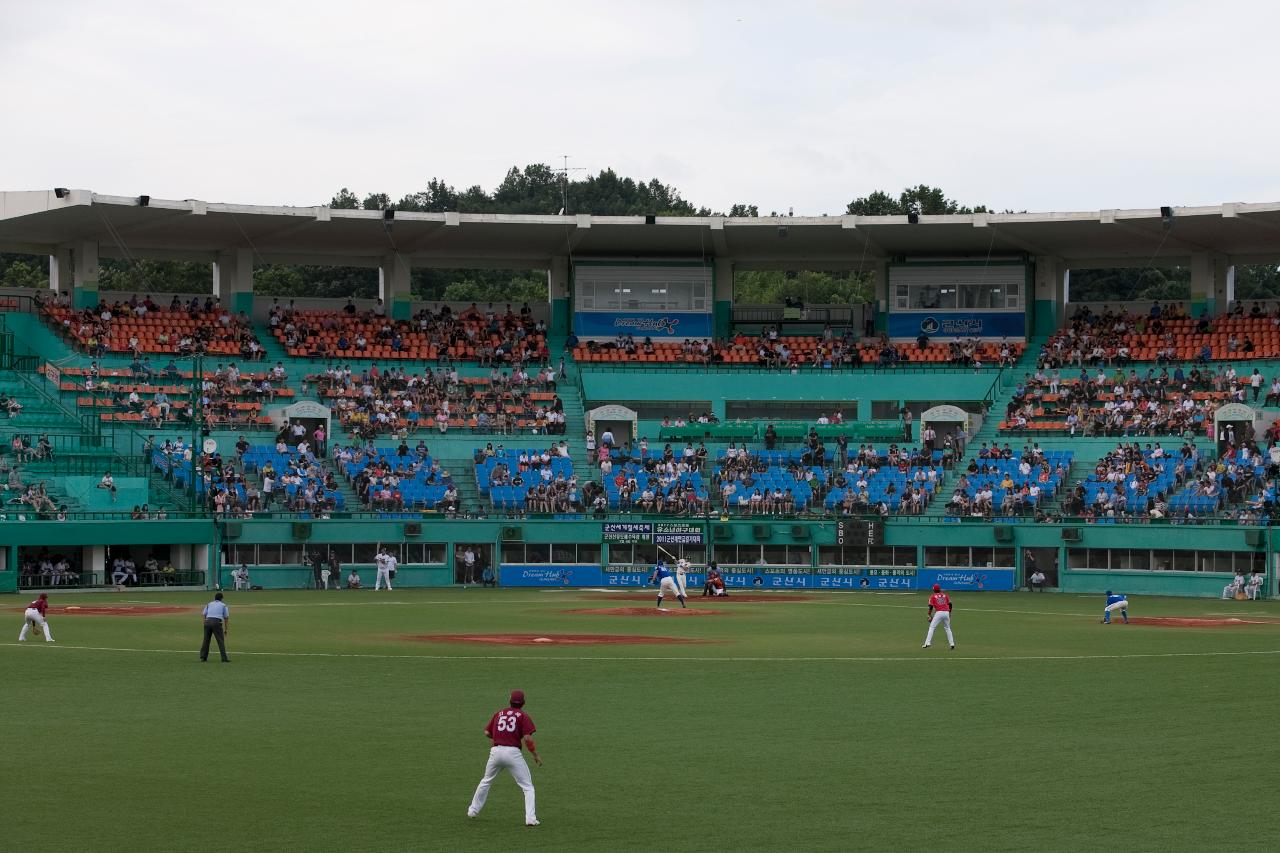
{"points": [[666, 584], [1114, 603]]}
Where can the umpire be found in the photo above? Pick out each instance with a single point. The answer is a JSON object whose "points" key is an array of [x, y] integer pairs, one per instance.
{"points": [[216, 623]]}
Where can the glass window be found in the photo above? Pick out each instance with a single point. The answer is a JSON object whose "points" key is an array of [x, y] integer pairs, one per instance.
{"points": [[1078, 558], [799, 555], [935, 555], [905, 555], [589, 554], [364, 552], [620, 554], [1002, 558], [537, 553], [1162, 560], [1217, 561], [829, 555], [564, 554], [775, 555], [693, 553], [645, 555], [291, 554]]}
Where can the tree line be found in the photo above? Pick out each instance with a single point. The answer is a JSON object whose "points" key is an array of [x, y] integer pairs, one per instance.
{"points": [[540, 189]]}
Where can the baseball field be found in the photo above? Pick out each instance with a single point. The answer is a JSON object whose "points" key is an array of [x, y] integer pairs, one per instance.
{"points": [[352, 721]]}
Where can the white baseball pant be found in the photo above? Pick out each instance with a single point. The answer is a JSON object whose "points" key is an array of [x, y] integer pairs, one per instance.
{"points": [[943, 618], [384, 576], [667, 586], [30, 618], [511, 759], [680, 585], [1119, 605]]}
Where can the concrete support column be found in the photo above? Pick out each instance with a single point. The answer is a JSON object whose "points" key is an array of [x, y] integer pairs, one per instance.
{"points": [[880, 273], [559, 295], [722, 286], [84, 272], [1048, 303], [233, 279], [393, 285], [93, 564], [1212, 283], [61, 279]]}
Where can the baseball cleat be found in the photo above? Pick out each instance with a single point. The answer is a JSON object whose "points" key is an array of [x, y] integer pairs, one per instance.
{"points": [[470, 813], [925, 646], [531, 823], [953, 648]]}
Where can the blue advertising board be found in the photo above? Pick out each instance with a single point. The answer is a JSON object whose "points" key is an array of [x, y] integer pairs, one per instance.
{"points": [[642, 324], [976, 580], [958, 324], [549, 575]]}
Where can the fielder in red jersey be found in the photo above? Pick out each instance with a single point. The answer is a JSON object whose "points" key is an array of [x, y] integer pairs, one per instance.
{"points": [[509, 729], [939, 614], [34, 618]]}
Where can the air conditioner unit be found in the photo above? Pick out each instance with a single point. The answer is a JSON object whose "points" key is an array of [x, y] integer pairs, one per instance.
{"points": [[512, 534], [722, 532], [1003, 532], [302, 530], [232, 529], [1254, 538], [413, 529], [800, 532], [762, 532], [1071, 534]]}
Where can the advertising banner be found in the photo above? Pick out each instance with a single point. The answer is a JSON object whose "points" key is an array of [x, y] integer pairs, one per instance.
{"points": [[549, 575], [645, 533], [642, 324], [958, 324]]}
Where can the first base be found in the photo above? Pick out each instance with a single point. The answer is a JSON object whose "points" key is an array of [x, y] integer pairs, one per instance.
{"points": [[543, 640]]}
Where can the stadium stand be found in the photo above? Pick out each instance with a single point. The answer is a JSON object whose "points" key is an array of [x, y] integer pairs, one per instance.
{"points": [[1164, 335], [471, 335], [141, 326]]}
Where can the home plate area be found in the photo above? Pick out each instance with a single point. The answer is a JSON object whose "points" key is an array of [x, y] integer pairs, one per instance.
{"points": [[547, 639], [664, 612]]}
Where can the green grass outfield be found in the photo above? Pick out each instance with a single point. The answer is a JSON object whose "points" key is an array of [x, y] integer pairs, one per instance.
{"points": [[815, 724]]}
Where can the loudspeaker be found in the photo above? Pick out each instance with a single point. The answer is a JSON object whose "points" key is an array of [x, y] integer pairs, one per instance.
{"points": [[762, 532], [722, 532], [231, 529], [1253, 538], [1071, 534], [413, 529], [913, 218], [389, 213], [1003, 532], [512, 534], [650, 219], [61, 192], [1166, 216], [800, 532], [302, 530], [144, 200]]}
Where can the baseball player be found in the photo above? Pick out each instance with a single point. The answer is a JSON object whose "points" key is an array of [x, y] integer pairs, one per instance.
{"points": [[682, 568], [34, 618], [666, 583], [509, 729], [386, 565], [1114, 603], [939, 614]]}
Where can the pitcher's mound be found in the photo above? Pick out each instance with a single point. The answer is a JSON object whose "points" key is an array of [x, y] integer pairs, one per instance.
{"points": [[665, 613], [546, 639], [1189, 622]]}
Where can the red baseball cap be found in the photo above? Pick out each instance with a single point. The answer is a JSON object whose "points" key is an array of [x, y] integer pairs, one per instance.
{"points": [[937, 588], [517, 697], [44, 595]]}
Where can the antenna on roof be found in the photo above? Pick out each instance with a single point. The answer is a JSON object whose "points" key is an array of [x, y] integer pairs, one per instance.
{"points": [[563, 172]]}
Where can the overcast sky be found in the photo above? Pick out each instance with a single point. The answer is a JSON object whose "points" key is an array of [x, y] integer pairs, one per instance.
{"points": [[1030, 106]]}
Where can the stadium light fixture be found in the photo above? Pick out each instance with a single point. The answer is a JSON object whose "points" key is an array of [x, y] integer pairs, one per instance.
{"points": [[1166, 217], [913, 218], [144, 200], [650, 219], [61, 192], [388, 213]]}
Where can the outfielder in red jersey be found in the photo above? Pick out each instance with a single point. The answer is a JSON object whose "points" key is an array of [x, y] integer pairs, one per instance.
{"points": [[34, 618], [509, 729], [939, 614]]}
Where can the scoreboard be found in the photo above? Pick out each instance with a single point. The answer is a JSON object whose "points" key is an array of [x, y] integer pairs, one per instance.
{"points": [[859, 533]]}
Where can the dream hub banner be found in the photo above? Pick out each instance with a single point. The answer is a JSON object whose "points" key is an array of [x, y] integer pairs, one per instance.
{"points": [[958, 324], [642, 324]]}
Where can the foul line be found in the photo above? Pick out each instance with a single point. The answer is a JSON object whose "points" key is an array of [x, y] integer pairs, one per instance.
{"points": [[964, 610], [676, 659]]}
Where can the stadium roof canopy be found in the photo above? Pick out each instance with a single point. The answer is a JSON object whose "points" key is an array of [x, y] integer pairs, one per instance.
{"points": [[43, 221]]}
